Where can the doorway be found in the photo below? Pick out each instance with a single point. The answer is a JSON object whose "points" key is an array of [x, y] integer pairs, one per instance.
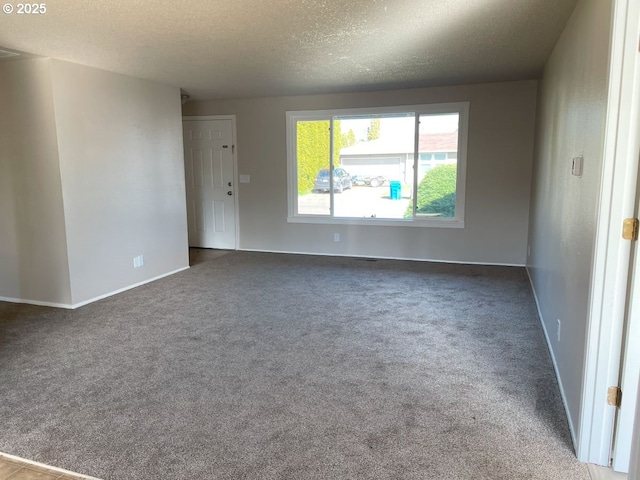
{"points": [[210, 176]]}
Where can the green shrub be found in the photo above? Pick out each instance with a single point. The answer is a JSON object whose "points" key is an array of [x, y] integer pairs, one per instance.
{"points": [[437, 192]]}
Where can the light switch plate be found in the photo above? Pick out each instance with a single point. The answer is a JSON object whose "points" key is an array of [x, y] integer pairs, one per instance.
{"points": [[576, 166], [245, 178]]}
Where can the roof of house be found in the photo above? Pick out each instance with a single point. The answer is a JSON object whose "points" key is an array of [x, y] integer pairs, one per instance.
{"points": [[428, 142], [439, 142]]}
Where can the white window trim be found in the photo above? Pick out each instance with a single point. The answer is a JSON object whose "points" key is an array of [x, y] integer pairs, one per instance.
{"points": [[292, 117]]}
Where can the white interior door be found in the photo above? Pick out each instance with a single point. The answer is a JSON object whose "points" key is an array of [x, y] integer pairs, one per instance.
{"points": [[630, 371], [629, 383], [634, 467], [630, 368], [210, 183], [604, 431]]}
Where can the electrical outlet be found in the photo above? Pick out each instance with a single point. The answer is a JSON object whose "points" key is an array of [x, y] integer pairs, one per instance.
{"points": [[336, 237], [559, 328]]}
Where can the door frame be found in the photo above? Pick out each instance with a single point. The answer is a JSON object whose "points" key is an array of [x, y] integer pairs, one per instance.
{"points": [[234, 153], [612, 255]]}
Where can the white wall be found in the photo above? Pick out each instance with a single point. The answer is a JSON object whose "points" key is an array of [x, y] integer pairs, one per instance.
{"points": [[501, 126], [121, 158], [33, 249], [571, 114]]}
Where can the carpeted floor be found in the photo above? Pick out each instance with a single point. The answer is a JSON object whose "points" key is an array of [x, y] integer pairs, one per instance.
{"points": [[267, 366]]}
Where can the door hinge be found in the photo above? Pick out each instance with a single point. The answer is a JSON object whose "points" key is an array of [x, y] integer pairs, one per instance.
{"points": [[614, 396], [233, 149], [630, 228]]}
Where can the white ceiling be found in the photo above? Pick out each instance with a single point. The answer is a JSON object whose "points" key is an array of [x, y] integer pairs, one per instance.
{"points": [[248, 48]]}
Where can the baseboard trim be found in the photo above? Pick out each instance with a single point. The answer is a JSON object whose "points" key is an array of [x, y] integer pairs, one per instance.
{"points": [[555, 364], [598, 472], [73, 306], [27, 462], [35, 302], [379, 257], [124, 289]]}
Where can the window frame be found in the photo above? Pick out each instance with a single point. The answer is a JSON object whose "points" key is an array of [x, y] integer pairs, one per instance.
{"points": [[292, 117]]}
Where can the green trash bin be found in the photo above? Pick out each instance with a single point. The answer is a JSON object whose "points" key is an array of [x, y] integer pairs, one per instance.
{"points": [[395, 190]]}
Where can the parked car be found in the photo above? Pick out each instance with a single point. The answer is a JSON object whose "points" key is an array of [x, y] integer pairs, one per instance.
{"points": [[369, 180], [341, 180]]}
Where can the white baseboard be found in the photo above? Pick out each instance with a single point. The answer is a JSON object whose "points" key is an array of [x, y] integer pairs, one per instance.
{"points": [[91, 300], [35, 302], [124, 289], [15, 458], [555, 364], [604, 473], [378, 257]]}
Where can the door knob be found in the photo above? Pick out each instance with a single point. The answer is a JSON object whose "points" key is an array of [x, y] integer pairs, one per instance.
{"points": [[229, 183], [229, 193]]}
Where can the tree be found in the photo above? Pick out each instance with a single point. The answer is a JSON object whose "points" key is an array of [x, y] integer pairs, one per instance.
{"points": [[338, 143], [312, 152], [373, 132], [349, 138]]}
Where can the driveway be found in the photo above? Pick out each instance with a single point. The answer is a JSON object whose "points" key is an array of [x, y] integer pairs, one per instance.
{"points": [[357, 202]]}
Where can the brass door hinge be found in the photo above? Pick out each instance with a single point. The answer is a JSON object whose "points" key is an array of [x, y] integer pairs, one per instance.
{"points": [[630, 228], [614, 396]]}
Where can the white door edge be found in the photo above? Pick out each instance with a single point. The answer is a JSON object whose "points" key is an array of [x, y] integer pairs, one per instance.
{"points": [[623, 433], [234, 154], [634, 467], [630, 364], [610, 273]]}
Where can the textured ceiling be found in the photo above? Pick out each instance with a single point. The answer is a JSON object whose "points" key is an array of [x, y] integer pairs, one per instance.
{"points": [[247, 48]]}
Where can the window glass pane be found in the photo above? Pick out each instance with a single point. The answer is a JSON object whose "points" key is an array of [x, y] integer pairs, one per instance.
{"points": [[436, 193], [375, 155], [381, 168], [312, 155]]}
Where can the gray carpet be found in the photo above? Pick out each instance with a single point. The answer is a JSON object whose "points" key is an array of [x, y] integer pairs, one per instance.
{"points": [[266, 366]]}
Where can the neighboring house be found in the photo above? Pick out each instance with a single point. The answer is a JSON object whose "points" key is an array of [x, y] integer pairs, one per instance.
{"points": [[436, 149], [392, 156]]}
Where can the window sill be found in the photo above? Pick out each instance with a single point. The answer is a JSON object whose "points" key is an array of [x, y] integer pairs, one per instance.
{"points": [[382, 222]]}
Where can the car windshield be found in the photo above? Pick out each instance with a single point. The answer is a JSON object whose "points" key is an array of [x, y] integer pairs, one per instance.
{"points": [[325, 172]]}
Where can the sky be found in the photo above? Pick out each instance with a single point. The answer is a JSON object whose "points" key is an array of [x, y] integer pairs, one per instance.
{"points": [[399, 126]]}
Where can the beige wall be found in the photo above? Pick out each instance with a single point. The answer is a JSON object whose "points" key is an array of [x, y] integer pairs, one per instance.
{"points": [[33, 250], [91, 175], [500, 147], [572, 106], [120, 144]]}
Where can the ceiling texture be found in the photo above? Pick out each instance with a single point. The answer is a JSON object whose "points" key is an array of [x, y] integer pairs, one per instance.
{"points": [[250, 48]]}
